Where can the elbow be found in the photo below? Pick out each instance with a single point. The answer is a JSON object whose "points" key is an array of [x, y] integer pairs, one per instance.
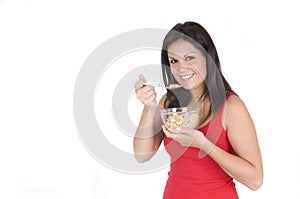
{"points": [[141, 158], [256, 184], [141, 155]]}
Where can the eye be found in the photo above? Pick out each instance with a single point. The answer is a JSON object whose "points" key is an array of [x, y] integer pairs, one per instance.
{"points": [[188, 58], [173, 61]]}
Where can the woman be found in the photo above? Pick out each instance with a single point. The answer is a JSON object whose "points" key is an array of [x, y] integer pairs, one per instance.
{"points": [[224, 146]]}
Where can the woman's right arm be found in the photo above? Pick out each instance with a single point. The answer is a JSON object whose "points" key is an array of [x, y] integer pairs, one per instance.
{"points": [[149, 135]]}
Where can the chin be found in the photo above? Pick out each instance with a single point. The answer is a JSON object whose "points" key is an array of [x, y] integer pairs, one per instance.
{"points": [[191, 86]]}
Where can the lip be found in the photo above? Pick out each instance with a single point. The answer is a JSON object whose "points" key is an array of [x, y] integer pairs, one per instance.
{"points": [[186, 76]]}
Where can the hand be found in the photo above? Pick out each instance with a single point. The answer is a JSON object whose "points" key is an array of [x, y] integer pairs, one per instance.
{"points": [[185, 136], [189, 137], [146, 94]]}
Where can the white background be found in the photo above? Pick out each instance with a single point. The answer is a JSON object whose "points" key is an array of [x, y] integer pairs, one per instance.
{"points": [[43, 45]]}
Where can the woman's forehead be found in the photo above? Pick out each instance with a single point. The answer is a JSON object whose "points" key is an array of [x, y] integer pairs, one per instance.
{"points": [[181, 48]]}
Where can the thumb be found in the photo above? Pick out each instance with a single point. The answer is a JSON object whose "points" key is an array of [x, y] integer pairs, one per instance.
{"points": [[142, 78]]}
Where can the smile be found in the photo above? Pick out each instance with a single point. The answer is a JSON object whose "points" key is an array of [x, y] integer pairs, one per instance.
{"points": [[188, 76]]}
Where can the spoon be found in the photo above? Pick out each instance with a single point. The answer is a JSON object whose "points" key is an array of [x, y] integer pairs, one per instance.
{"points": [[171, 86]]}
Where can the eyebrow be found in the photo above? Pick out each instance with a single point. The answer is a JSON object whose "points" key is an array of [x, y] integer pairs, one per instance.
{"points": [[189, 53], [170, 57]]}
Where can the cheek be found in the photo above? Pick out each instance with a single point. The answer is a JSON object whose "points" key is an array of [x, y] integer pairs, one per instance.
{"points": [[203, 72], [200, 69], [175, 75], [174, 71]]}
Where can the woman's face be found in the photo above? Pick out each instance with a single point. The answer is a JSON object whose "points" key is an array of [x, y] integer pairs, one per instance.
{"points": [[188, 64]]}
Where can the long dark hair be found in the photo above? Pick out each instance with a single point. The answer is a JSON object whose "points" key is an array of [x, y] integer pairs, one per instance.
{"points": [[216, 87]]}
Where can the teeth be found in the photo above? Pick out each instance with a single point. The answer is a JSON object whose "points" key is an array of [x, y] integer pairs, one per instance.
{"points": [[186, 76]]}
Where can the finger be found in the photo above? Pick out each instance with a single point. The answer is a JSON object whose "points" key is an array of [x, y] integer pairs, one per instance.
{"points": [[183, 140], [142, 78], [145, 92], [175, 131], [149, 91], [185, 130], [150, 101], [168, 133], [139, 84]]}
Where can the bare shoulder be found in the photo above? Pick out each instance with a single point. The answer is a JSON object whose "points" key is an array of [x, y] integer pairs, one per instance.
{"points": [[234, 105], [236, 112]]}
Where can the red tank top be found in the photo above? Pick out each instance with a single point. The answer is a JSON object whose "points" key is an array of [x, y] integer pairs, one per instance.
{"points": [[194, 174]]}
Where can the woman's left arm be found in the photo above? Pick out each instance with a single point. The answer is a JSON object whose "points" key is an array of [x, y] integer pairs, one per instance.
{"points": [[246, 164]]}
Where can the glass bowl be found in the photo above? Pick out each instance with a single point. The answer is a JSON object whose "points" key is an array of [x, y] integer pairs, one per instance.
{"points": [[187, 117]]}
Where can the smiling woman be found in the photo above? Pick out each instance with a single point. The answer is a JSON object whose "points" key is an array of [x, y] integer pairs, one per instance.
{"points": [[188, 64], [224, 145]]}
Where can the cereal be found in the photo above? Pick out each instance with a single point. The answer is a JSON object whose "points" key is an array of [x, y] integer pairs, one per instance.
{"points": [[173, 86], [188, 120]]}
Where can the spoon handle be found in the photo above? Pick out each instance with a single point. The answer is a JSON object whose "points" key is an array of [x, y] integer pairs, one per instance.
{"points": [[171, 86], [153, 84]]}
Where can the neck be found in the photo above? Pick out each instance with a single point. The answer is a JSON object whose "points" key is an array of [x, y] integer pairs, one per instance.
{"points": [[197, 92]]}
